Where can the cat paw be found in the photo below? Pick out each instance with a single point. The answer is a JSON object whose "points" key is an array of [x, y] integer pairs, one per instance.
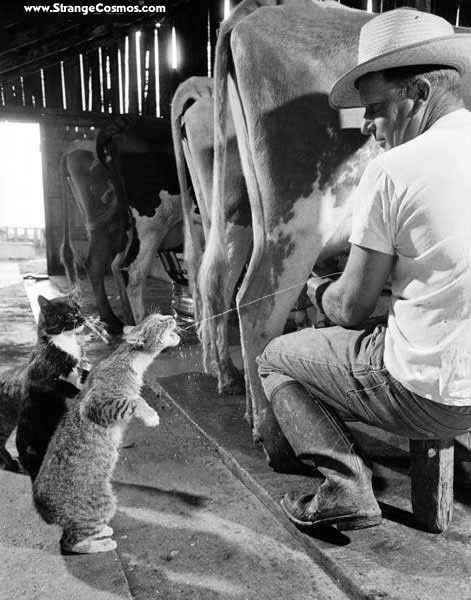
{"points": [[151, 420], [106, 531], [89, 545]]}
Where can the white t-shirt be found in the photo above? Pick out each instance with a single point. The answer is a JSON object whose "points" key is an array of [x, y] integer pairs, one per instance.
{"points": [[414, 202]]}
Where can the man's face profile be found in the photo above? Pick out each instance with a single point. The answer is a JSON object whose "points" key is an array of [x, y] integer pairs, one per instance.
{"points": [[388, 110]]}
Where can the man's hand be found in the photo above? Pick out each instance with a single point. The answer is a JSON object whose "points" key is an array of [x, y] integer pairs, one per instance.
{"points": [[352, 298], [316, 287]]}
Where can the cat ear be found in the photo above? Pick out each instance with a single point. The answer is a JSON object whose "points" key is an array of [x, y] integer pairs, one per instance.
{"points": [[43, 303]]}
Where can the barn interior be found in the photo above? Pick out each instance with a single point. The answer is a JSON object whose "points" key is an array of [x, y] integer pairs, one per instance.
{"points": [[66, 78]]}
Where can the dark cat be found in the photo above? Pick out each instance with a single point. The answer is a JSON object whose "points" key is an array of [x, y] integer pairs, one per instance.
{"points": [[73, 487], [34, 397]]}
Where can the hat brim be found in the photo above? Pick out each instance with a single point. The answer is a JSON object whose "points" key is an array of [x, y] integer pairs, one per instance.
{"points": [[452, 50]]}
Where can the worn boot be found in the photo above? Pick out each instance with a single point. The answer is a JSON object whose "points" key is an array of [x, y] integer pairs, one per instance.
{"points": [[316, 433]]}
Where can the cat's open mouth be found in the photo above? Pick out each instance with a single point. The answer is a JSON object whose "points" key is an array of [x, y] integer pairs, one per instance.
{"points": [[171, 338]]}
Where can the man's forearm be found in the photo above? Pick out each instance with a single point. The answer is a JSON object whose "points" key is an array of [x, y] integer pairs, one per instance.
{"points": [[337, 309]]}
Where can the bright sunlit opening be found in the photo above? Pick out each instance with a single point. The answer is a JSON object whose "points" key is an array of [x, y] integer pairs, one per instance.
{"points": [[227, 8], [21, 186], [174, 50]]}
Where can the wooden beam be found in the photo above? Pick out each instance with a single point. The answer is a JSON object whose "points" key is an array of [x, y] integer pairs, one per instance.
{"points": [[83, 38], [431, 466], [45, 115]]}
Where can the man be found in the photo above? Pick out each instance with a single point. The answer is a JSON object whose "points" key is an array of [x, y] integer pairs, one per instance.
{"points": [[412, 224]]}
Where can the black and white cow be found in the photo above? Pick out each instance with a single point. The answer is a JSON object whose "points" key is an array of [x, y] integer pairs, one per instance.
{"points": [[118, 237], [138, 154]]}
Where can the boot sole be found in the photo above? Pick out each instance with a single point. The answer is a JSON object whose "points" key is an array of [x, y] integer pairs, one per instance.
{"points": [[346, 522]]}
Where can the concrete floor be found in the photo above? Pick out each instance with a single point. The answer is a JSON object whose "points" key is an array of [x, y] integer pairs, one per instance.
{"points": [[185, 526], [172, 486]]}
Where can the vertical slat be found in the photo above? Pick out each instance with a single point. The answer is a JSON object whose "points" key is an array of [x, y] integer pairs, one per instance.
{"points": [[93, 63], [12, 93], [166, 73], [132, 73], [107, 93], [148, 46], [51, 139], [52, 84], [432, 482], [72, 84], [114, 92]]}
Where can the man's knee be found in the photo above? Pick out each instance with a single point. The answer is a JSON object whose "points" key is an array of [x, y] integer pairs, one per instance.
{"points": [[270, 370]]}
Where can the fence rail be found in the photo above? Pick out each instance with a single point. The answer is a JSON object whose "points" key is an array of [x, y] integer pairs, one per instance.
{"points": [[23, 234]]}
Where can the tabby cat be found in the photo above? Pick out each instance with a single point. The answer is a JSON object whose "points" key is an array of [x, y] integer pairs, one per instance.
{"points": [[73, 488], [34, 397]]}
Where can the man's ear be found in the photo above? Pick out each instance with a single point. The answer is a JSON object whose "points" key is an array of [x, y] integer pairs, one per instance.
{"points": [[420, 90]]}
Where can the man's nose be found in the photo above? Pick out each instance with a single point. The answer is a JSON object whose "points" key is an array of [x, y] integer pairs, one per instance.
{"points": [[367, 126]]}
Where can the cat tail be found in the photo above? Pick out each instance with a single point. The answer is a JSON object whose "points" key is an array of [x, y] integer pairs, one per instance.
{"points": [[68, 257]]}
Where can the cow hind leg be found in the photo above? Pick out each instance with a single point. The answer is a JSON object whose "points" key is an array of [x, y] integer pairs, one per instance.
{"points": [[97, 263], [121, 285], [264, 304], [149, 242], [218, 277]]}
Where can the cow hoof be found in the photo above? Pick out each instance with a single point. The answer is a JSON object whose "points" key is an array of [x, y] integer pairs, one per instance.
{"points": [[232, 388]]}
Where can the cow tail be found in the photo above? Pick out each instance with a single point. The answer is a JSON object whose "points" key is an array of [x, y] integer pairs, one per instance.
{"points": [[68, 257], [191, 89], [214, 267]]}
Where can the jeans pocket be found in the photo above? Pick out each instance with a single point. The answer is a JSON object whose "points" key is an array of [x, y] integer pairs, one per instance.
{"points": [[368, 403]]}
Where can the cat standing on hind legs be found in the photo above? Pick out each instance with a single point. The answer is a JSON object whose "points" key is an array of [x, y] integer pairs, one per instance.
{"points": [[73, 488]]}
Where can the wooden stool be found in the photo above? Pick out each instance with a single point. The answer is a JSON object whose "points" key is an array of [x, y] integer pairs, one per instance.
{"points": [[431, 471]]}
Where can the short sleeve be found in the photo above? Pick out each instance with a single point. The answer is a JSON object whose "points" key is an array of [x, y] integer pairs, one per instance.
{"points": [[371, 206]]}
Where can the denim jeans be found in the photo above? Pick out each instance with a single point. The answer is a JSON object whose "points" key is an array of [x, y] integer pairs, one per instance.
{"points": [[344, 369]]}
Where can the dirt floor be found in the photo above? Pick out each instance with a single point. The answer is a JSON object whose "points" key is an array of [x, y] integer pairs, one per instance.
{"points": [[185, 526]]}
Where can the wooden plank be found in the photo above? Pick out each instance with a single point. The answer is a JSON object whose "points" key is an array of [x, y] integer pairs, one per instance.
{"points": [[72, 85], [95, 72], [53, 115], [53, 86], [50, 137], [113, 93], [32, 88], [167, 74], [132, 72], [432, 483], [149, 77]]}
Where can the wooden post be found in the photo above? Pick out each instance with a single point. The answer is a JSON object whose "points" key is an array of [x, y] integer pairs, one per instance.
{"points": [[431, 466]]}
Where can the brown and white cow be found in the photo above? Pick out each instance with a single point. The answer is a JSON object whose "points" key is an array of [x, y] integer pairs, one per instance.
{"points": [[275, 64], [193, 136], [138, 153], [106, 222]]}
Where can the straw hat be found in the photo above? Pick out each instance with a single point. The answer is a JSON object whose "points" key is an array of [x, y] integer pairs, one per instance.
{"points": [[399, 38]]}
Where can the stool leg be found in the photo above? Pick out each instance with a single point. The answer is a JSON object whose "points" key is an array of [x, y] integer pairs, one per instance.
{"points": [[431, 466]]}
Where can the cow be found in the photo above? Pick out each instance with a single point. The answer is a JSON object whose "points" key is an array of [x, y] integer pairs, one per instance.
{"points": [[275, 64], [138, 155], [105, 222], [193, 133], [117, 236]]}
